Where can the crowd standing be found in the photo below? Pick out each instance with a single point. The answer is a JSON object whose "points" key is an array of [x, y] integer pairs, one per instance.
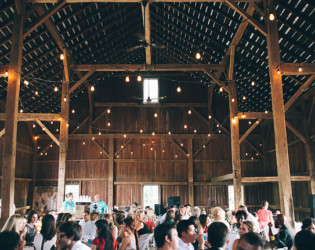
{"points": [[133, 228]]}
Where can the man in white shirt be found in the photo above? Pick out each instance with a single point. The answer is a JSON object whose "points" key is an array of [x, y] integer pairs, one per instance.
{"points": [[187, 235], [166, 238], [69, 236], [85, 219], [250, 217]]}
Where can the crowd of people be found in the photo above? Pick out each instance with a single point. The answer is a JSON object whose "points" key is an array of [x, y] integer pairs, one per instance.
{"points": [[180, 228]]}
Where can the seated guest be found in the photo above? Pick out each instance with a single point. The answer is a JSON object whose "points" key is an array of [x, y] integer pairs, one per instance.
{"points": [[218, 235], [162, 219], [177, 219], [251, 241], [308, 224], [98, 205], [86, 218], [104, 239], [150, 221], [241, 216], [46, 239], [64, 217], [187, 235], [204, 222], [119, 222], [245, 227], [16, 223], [31, 229], [284, 237], [166, 237], [141, 227], [198, 228], [169, 218], [130, 240], [9, 240], [89, 228], [69, 236], [112, 227], [188, 211], [196, 212], [250, 217], [68, 205], [304, 240]]}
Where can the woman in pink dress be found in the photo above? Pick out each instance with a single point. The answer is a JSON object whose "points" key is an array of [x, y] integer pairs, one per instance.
{"points": [[264, 216]]}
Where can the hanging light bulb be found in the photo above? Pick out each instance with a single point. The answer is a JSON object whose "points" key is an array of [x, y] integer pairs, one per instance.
{"points": [[182, 144], [73, 111], [209, 117], [65, 99], [36, 137], [139, 78], [221, 89], [21, 110], [155, 115], [198, 56], [271, 17], [209, 135], [92, 88], [36, 92], [62, 57], [243, 115], [189, 112], [55, 89], [108, 111], [234, 119], [108, 124], [127, 79], [179, 89], [153, 133], [253, 83], [244, 98], [6, 72], [141, 131], [34, 126], [99, 133], [169, 132], [233, 100], [26, 82], [185, 126], [278, 71], [195, 131], [300, 68], [125, 135]]}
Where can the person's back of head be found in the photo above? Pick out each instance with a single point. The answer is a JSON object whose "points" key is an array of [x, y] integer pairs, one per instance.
{"points": [[48, 229], [70, 229], [218, 234], [251, 240], [162, 232], [196, 212], [9, 240], [304, 240], [308, 223]]}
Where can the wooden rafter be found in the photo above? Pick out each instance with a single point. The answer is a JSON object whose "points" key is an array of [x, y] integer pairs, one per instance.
{"points": [[297, 133], [80, 125], [2, 132], [81, 81], [250, 130], [160, 105], [178, 147], [293, 68], [273, 179], [33, 116], [124, 146], [202, 147], [147, 32], [45, 149], [220, 83], [100, 147], [48, 132], [222, 178]]}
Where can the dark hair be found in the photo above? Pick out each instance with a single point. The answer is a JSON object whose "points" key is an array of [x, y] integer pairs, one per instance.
{"points": [[218, 234], [160, 232], [178, 217], [10, 240], [186, 205], [48, 227], [104, 233], [264, 203], [70, 229], [183, 226], [279, 219], [240, 213], [203, 220], [68, 195], [119, 218], [130, 223], [253, 239], [307, 223], [170, 215], [62, 218], [87, 211], [30, 215], [304, 240], [194, 220], [135, 203]]}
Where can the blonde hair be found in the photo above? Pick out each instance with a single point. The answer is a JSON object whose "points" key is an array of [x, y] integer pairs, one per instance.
{"points": [[140, 212], [150, 214], [218, 214], [13, 223]]}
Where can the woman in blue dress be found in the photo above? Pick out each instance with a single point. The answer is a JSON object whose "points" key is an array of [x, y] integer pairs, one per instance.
{"points": [[69, 205]]}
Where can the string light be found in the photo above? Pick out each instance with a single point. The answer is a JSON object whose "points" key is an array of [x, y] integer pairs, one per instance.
{"points": [[169, 132], [233, 100], [122, 146], [73, 111], [92, 88], [204, 146], [300, 69], [26, 82], [21, 110], [195, 131], [155, 115], [6, 72], [34, 126], [221, 89], [36, 92], [55, 89], [125, 135], [278, 71], [271, 17], [253, 83], [182, 145], [57, 130], [266, 111], [127, 79], [65, 99], [108, 111], [153, 133], [83, 143], [108, 124], [139, 78], [141, 131], [36, 137], [189, 112], [51, 122], [244, 98], [163, 150], [209, 117], [209, 135], [243, 115], [99, 133], [198, 56], [233, 120], [185, 126], [151, 149], [62, 57], [179, 89], [249, 122]]}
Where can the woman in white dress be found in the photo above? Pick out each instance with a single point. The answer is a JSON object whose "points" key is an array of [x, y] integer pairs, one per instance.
{"points": [[46, 239]]}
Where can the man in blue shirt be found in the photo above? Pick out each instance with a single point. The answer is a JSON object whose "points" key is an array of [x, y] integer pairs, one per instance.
{"points": [[98, 205]]}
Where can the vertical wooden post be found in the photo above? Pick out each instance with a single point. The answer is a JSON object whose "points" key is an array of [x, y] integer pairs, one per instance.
{"points": [[191, 200], [285, 190], [11, 111], [235, 138], [90, 112], [64, 119], [110, 190], [34, 174]]}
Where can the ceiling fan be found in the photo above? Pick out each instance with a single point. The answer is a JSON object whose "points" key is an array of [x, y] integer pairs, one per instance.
{"points": [[149, 99], [142, 43]]}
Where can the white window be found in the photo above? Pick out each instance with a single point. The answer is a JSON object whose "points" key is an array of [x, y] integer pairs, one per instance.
{"points": [[151, 195], [150, 90], [75, 189], [231, 196]]}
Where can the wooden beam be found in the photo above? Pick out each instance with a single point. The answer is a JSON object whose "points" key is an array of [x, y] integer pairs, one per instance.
{"points": [[160, 105], [163, 183], [110, 190], [254, 115], [282, 155], [141, 67], [2, 132], [250, 19], [147, 33], [74, 179], [134, 1], [178, 147], [289, 144], [100, 147], [79, 126], [222, 178], [12, 104], [124, 146], [33, 116], [99, 117], [250, 130], [220, 83], [202, 147], [297, 133], [34, 176], [45, 149], [200, 116], [293, 68], [191, 199], [223, 183], [48, 132], [308, 82], [81, 81], [272, 179], [45, 17]]}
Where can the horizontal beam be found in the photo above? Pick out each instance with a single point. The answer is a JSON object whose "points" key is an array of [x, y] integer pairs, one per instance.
{"points": [[158, 105], [74, 179], [273, 179], [20, 179], [141, 67], [164, 183], [135, 1], [33, 116], [222, 178], [293, 68], [265, 116]]}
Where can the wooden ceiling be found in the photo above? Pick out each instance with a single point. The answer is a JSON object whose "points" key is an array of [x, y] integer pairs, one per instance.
{"points": [[101, 32]]}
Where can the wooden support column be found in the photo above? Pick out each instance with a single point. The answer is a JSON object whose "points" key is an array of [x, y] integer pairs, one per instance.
{"points": [[31, 196], [283, 167], [90, 112], [110, 189], [191, 200], [235, 137], [12, 104], [63, 139]]}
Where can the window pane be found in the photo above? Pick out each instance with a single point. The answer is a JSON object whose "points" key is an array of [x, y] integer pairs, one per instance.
{"points": [[150, 195], [75, 189], [150, 90]]}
